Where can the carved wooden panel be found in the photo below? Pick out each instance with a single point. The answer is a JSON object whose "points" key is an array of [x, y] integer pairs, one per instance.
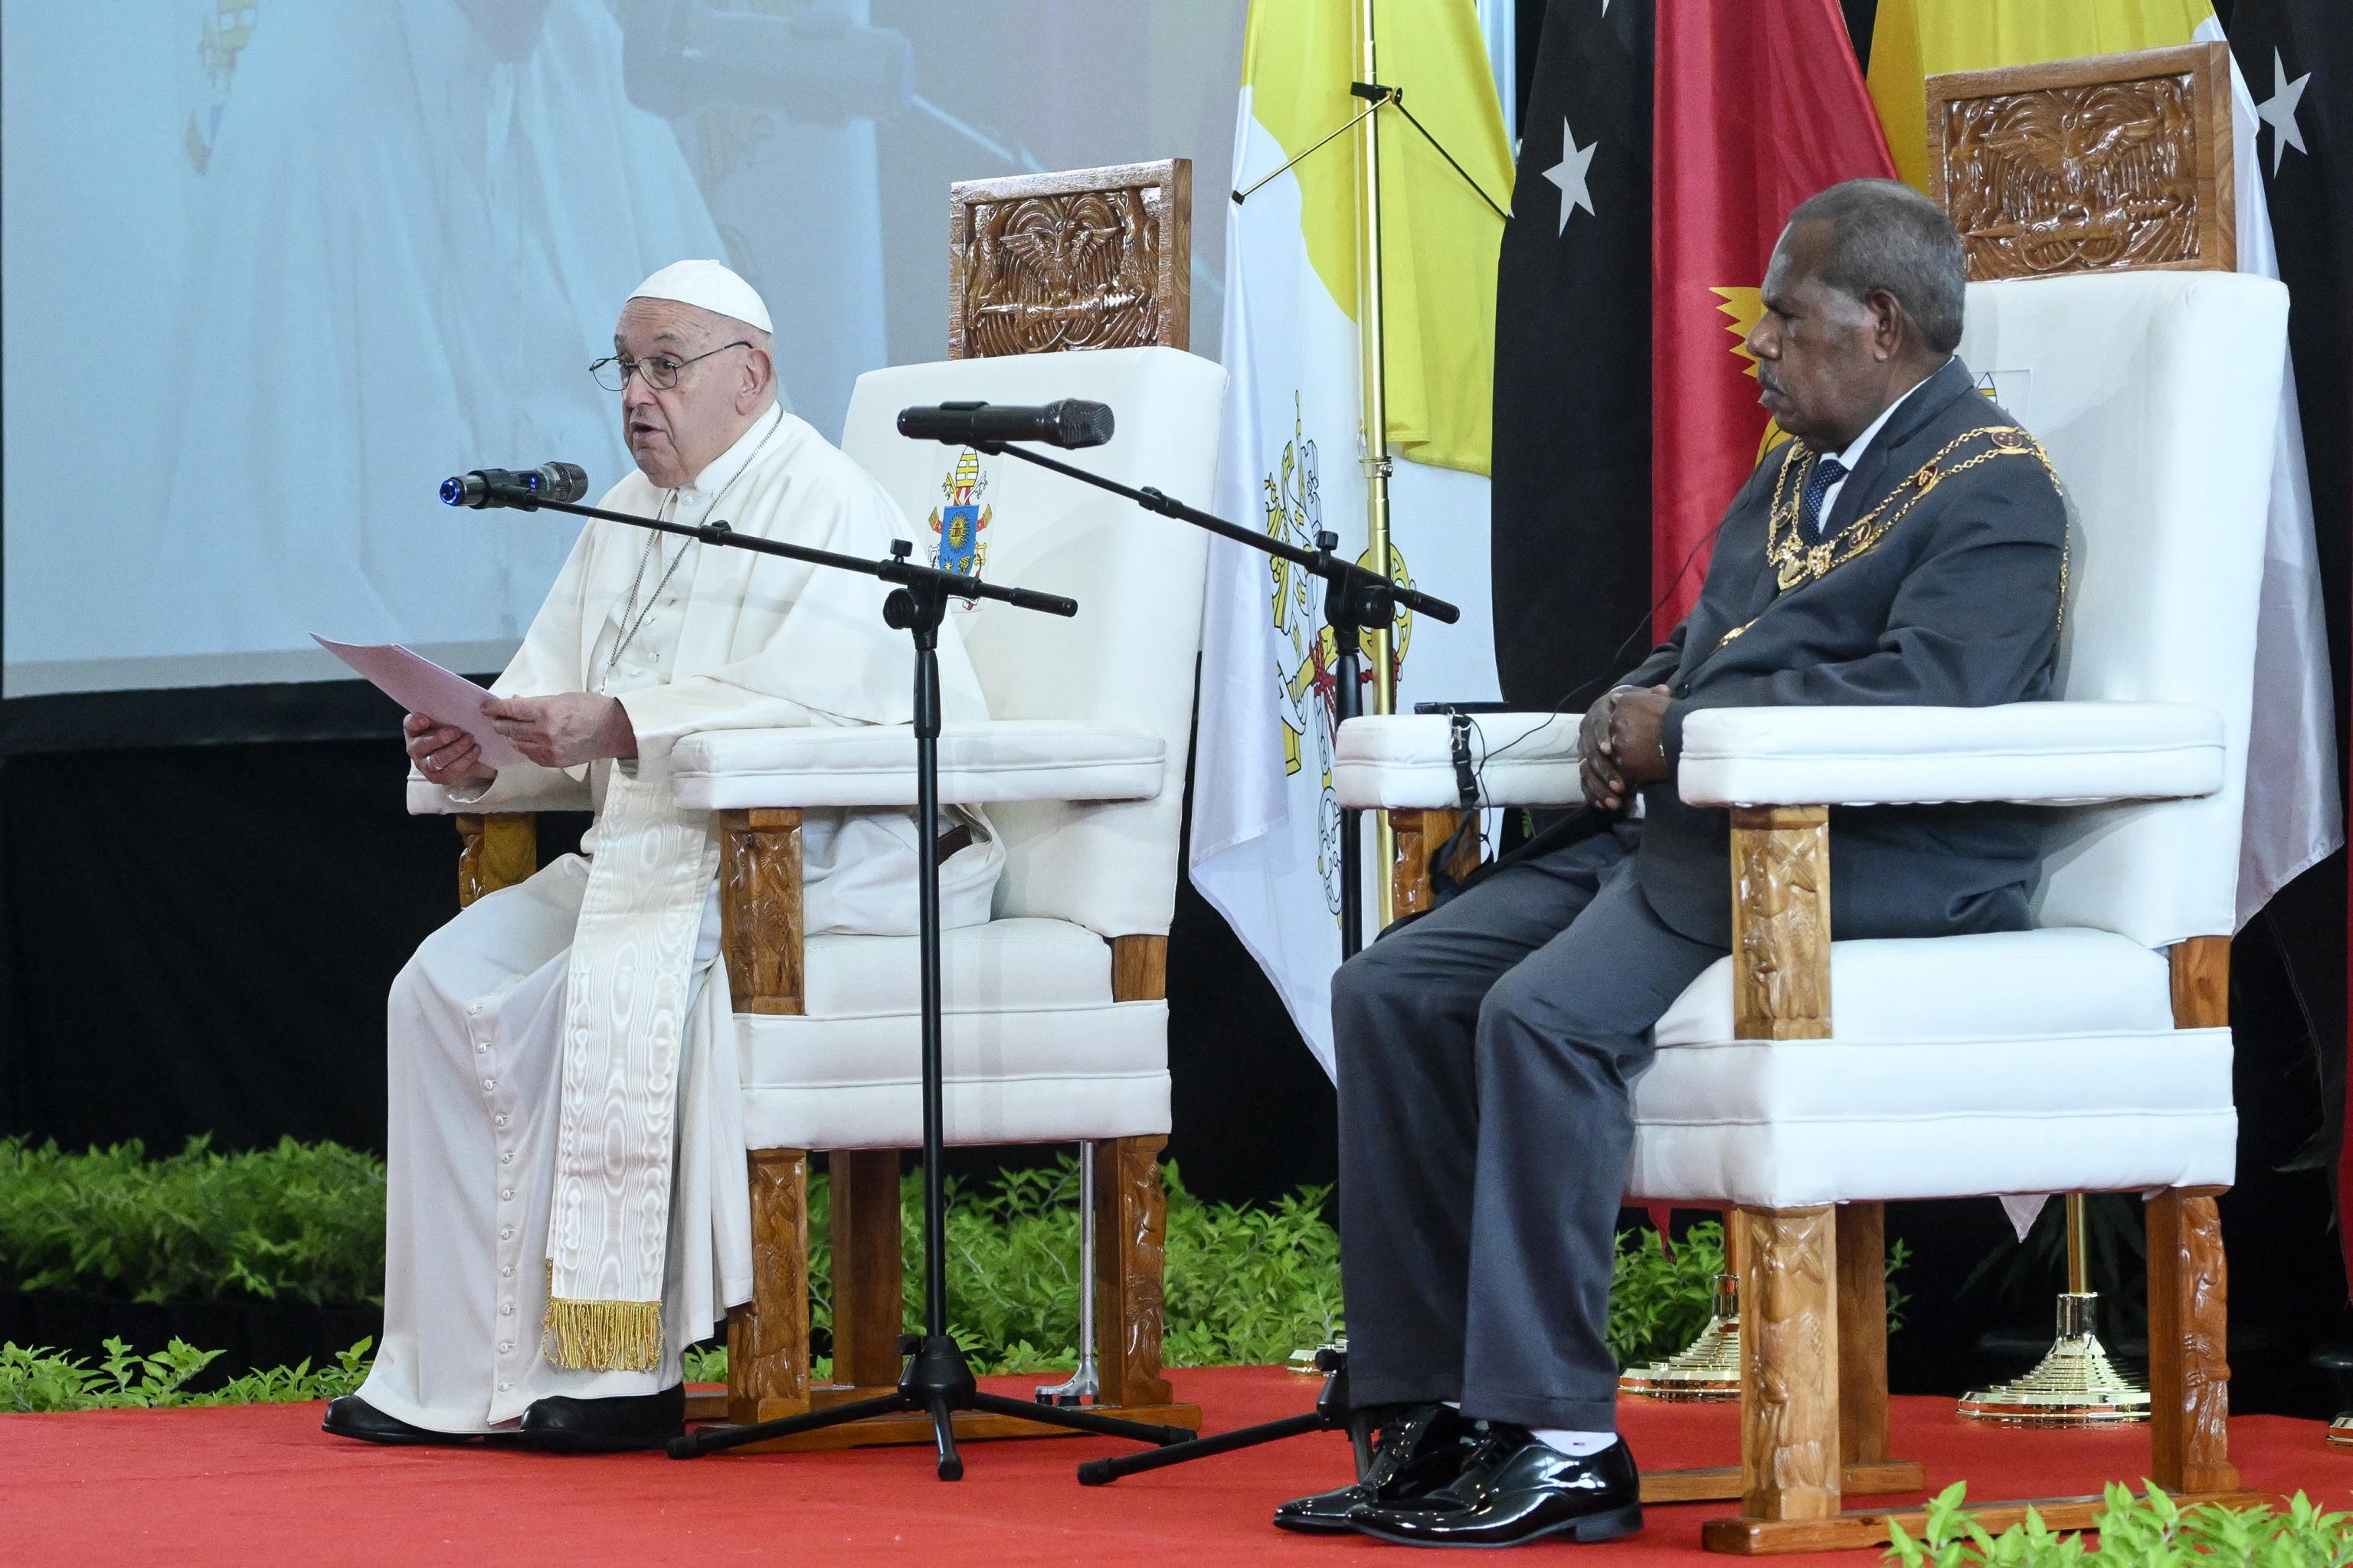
{"points": [[760, 908], [1132, 1233], [767, 1338], [867, 1279], [1084, 259], [2188, 1367], [2102, 164], [1419, 836], [1780, 923], [1789, 1365], [495, 850], [2202, 982], [1139, 968]]}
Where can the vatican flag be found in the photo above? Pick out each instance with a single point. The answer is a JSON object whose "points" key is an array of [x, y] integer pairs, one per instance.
{"points": [[1266, 823], [2291, 820]]}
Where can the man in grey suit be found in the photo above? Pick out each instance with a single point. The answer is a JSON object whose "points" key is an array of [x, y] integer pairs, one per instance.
{"points": [[1908, 547]]}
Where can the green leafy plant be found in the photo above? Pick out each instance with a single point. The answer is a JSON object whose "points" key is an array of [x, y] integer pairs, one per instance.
{"points": [[303, 1222], [40, 1379], [2151, 1531]]}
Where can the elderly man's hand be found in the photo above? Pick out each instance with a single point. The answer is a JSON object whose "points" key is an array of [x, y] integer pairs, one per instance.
{"points": [[565, 731], [1622, 743], [444, 753]]}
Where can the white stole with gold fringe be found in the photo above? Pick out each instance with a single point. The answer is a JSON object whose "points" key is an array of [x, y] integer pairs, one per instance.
{"points": [[624, 1019]]}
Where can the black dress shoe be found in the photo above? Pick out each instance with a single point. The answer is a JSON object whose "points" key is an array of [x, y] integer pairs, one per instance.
{"points": [[351, 1416], [1518, 1494], [610, 1426], [1423, 1449]]}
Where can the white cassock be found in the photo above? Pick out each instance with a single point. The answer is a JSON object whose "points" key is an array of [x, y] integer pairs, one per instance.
{"points": [[689, 638]]}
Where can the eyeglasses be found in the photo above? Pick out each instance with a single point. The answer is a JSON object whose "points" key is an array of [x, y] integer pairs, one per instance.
{"points": [[660, 371]]}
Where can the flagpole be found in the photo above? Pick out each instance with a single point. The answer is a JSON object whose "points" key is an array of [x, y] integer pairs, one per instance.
{"points": [[1376, 428]]}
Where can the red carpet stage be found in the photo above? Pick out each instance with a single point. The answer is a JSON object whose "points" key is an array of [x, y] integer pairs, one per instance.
{"points": [[262, 1485]]}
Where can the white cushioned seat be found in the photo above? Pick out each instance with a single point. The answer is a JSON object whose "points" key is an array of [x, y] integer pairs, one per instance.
{"points": [[1007, 964], [874, 765], [2048, 1056]]}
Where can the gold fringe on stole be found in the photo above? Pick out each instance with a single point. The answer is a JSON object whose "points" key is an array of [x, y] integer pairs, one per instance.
{"points": [[604, 1336]]}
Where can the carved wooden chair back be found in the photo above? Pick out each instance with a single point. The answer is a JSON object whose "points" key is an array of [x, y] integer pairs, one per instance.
{"points": [[2110, 164], [1081, 259]]}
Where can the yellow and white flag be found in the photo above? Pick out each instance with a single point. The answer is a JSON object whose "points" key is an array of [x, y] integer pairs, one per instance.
{"points": [[2291, 820], [1266, 823]]}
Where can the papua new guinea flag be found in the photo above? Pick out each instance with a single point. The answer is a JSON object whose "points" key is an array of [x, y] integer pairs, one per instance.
{"points": [[1758, 107], [1571, 532]]}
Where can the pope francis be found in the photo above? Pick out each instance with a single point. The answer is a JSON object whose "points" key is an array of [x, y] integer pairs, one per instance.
{"points": [[568, 1204]]}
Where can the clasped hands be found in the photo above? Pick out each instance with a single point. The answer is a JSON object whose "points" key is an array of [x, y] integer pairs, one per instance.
{"points": [[1622, 745], [561, 731]]}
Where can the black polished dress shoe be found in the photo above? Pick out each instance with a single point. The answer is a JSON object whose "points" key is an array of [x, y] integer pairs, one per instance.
{"points": [[1421, 1449], [1522, 1493], [610, 1426], [351, 1416]]}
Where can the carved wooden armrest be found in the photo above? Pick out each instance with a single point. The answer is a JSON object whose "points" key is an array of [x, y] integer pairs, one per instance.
{"points": [[760, 908], [495, 850]]}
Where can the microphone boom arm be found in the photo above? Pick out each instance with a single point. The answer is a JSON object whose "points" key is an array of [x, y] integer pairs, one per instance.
{"points": [[897, 570]]}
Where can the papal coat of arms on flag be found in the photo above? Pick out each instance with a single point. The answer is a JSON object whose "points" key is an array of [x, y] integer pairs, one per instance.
{"points": [[960, 523]]}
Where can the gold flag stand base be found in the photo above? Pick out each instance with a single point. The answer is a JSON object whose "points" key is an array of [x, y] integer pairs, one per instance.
{"points": [[2340, 1432], [2075, 1385], [1708, 1369]]}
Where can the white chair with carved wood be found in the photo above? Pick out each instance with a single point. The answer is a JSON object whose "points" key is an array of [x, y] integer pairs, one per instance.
{"points": [[1803, 1083], [1056, 1027]]}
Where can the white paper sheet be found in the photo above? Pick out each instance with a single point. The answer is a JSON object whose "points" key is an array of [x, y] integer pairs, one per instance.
{"points": [[421, 686]]}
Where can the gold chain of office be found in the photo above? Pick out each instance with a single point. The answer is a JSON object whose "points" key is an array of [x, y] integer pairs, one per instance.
{"points": [[1795, 563]]}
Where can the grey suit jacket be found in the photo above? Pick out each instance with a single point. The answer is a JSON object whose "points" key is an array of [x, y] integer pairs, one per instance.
{"points": [[1957, 604]]}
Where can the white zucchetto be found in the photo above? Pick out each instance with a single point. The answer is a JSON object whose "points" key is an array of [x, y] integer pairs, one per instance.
{"points": [[710, 286]]}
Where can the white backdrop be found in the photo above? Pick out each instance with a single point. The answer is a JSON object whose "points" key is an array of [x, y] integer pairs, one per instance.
{"points": [[270, 269]]}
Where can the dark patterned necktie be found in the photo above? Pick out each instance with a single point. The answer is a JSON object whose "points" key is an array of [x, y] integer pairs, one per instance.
{"points": [[1827, 471]]}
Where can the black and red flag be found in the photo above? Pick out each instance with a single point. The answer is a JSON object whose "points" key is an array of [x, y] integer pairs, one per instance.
{"points": [[1571, 495]]}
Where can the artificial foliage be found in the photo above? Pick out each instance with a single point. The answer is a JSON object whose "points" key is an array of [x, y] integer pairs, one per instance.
{"points": [[300, 1221], [2147, 1532], [37, 1380]]}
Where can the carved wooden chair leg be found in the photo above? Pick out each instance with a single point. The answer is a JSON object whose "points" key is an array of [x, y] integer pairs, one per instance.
{"points": [[1868, 1468], [767, 1338], [1131, 1240], [2189, 1380], [868, 1281]]}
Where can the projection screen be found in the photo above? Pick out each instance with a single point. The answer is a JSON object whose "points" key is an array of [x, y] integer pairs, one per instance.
{"points": [[270, 269]]}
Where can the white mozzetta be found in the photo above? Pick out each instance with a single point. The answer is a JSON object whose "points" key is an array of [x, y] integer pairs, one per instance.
{"points": [[874, 765], [2046, 753], [1403, 761]]}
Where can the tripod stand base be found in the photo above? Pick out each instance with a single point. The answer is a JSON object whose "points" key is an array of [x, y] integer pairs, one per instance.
{"points": [[885, 1431]]}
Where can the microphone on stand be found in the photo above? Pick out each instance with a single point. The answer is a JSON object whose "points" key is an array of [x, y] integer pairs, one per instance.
{"points": [[483, 486], [1072, 422]]}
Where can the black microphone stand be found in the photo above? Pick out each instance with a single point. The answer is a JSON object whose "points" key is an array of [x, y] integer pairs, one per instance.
{"points": [[938, 1379], [1354, 598]]}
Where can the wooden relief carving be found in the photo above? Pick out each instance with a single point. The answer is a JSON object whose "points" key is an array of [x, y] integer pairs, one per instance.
{"points": [[767, 1338], [1781, 923], [2188, 1366], [1419, 836], [1087, 259], [1790, 1368], [495, 850], [2088, 165], [1132, 1231], [760, 908]]}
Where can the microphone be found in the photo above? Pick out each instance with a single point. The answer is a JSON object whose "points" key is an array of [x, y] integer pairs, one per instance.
{"points": [[1072, 422], [483, 487]]}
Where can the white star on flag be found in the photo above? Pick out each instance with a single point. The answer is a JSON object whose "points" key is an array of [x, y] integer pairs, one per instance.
{"points": [[1569, 176], [2278, 110]]}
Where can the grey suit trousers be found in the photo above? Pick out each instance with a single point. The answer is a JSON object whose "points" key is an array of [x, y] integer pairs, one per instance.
{"points": [[1484, 1053]]}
